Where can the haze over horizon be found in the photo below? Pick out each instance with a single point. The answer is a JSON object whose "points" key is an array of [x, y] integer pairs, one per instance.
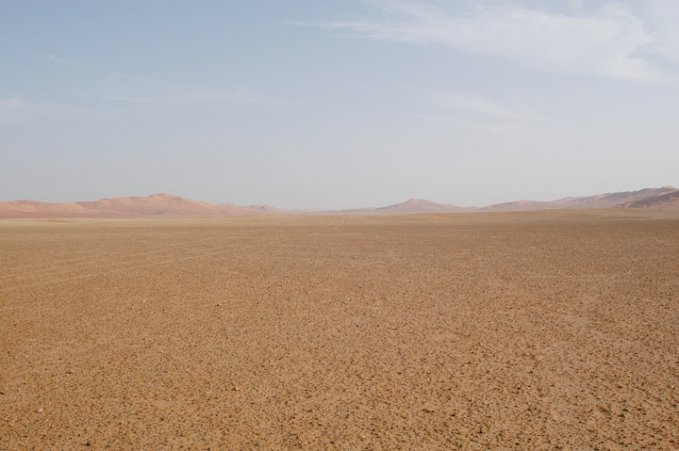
{"points": [[342, 104]]}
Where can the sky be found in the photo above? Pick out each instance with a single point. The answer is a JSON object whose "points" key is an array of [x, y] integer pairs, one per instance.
{"points": [[337, 104]]}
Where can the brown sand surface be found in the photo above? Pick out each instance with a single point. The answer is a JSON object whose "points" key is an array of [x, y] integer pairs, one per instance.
{"points": [[515, 330]]}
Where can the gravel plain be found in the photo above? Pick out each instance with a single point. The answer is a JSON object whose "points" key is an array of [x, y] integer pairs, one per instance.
{"points": [[498, 330]]}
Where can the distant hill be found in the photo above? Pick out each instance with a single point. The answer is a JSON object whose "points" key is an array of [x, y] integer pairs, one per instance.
{"points": [[613, 200], [155, 204], [644, 198], [262, 209], [161, 204], [409, 206], [31, 209], [667, 200], [521, 205], [121, 207], [418, 206], [665, 197]]}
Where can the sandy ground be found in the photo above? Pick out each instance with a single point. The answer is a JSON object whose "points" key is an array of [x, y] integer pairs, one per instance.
{"points": [[519, 330]]}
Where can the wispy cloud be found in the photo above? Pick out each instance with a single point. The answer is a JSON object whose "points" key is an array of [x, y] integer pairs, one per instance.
{"points": [[613, 40], [484, 114], [480, 106], [58, 60], [663, 17]]}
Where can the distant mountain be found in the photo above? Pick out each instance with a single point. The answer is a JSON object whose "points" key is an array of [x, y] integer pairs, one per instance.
{"points": [[613, 200], [665, 197], [418, 206], [627, 199], [667, 200], [262, 209], [170, 205], [521, 205], [121, 207], [410, 206]]}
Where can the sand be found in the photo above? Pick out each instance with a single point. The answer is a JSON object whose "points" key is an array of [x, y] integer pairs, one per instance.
{"points": [[514, 330]]}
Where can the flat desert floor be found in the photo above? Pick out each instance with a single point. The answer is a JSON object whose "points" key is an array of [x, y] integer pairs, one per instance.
{"points": [[513, 330]]}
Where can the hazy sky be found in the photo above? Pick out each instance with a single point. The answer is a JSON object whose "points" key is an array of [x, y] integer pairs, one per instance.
{"points": [[319, 104]]}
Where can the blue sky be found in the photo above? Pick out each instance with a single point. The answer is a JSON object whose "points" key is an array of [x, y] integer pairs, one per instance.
{"points": [[337, 104]]}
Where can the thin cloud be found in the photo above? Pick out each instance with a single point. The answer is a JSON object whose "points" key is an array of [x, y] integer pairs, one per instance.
{"points": [[608, 41], [514, 130], [480, 106], [59, 61], [484, 114], [663, 15]]}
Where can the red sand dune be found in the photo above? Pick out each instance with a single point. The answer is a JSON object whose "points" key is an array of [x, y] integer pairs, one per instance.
{"points": [[133, 206], [151, 205], [31, 209]]}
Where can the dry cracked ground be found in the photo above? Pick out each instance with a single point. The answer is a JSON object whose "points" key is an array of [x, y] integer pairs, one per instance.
{"points": [[513, 330]]}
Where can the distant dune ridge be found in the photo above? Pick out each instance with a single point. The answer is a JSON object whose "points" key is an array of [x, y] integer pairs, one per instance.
{"points": [[170, 205], [120, 207]]}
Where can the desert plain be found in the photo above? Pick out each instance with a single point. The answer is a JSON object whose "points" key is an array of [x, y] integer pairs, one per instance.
{"points": [[522, 330]]}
